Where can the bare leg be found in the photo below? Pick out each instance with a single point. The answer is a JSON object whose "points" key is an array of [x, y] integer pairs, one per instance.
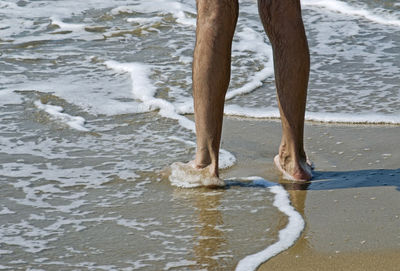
{"points": [[284, 26], [216, 22]]}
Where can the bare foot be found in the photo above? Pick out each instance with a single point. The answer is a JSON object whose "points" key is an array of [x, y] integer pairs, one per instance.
{"points": [[188, 175], [300, 172]]}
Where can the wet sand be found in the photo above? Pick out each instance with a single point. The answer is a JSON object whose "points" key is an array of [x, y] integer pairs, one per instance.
{"points": [[351, 207]]}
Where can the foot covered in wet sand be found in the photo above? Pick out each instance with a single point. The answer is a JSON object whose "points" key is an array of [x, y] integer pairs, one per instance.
{"points": [[303, 173], [188, 175]]}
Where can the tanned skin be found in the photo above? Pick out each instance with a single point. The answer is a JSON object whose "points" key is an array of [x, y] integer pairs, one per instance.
{"points": [[282, 21]]}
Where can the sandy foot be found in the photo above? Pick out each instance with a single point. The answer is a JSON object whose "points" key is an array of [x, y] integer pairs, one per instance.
{"points": [[286, 175], [187, 175]]}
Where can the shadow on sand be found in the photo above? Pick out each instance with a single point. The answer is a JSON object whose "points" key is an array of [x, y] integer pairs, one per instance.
{"points": [[330, 180]]}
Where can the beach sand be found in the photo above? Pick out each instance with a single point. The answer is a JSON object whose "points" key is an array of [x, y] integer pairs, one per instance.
{"points": [[351, 207]]}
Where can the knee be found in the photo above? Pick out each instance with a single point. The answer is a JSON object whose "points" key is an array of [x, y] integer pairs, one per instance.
{"points": [[279, 15], [217, 12]]}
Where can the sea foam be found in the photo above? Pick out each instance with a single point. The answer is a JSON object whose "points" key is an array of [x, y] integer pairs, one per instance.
{"points": [[187, 176], [342, 7], [66, 26], [177, 9], [287, 236], [144, 91], [225, 159], [273, 113], [56, 112]]}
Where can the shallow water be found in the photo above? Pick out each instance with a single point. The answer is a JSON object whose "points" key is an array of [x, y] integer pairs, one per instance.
{"points": [[92, 98]]}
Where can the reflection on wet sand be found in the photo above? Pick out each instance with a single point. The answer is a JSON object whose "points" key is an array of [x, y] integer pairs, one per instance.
{"points": [[342, 218], [298, 194], [209, 240], [212, 239]]}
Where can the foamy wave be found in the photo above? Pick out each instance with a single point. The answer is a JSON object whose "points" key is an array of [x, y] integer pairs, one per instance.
{"points": [[179, 264], [143, 90], [255, 82], [9, 97], [353, 118], [287, 236], [135, 224], [187, 176], [74, 122], [177, 9], [271, 113], [142, 21], [6, 211], [237, 110], [67, 26], [250, 40], [342, 7], [226, 159]]}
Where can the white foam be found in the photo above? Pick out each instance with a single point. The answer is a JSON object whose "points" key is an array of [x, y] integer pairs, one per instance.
{"points": [[236, 110], [187, 176], [185, 107], [23, 24], [143, 90], [144, 20], [6, 211], [58, 226], [37, 217], [134, 224], [250, 45], [226, 159], [353, 118], [181, 263], [3, 251], [75, 122], [67, 26], [287, 236], [177, 9], [271, 113], [8, 96], [249, 40], [187, 142], [342, 7], [255, 82], [30, 245]]}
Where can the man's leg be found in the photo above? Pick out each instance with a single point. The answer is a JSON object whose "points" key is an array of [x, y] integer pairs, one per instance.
{"points": [[216, 22], [284, 26]]}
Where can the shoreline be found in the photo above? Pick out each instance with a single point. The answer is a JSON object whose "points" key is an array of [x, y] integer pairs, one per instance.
{"points": [[330, 118], [350, 206]]}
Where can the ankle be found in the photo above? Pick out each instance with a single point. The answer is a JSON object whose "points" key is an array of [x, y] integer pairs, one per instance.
{"points": [[198, 163], [289, 154], [210, 167], [295, 164], [202, 159]]}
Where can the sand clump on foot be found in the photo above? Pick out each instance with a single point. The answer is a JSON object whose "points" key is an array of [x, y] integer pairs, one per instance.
{"points": [[187, 175], [286, 175]]}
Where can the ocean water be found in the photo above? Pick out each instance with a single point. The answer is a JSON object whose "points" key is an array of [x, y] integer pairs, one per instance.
{"points": [[94, 97]]}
